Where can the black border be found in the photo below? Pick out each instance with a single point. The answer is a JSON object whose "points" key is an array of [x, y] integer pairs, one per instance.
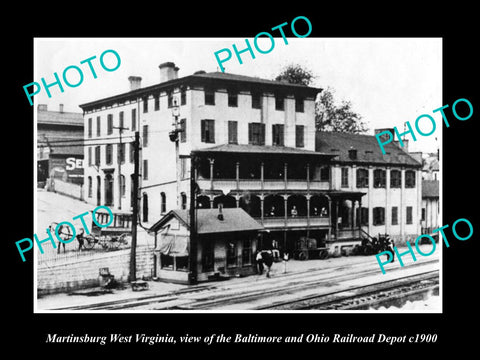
{"points": [[225, 20]]}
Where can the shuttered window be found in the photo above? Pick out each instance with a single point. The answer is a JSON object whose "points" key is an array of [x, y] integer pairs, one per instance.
{"points": [[256, 134]]}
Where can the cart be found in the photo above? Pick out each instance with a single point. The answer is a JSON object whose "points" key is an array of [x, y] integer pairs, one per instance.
{"points": [[307, 248], [117, 235]]}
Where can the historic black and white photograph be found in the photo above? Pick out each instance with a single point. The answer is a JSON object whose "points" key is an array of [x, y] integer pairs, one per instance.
{"points": [[274, 174]]}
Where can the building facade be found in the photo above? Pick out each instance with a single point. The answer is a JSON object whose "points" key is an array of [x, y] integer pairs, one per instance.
{"points": [[59, 147], [247, 143]]}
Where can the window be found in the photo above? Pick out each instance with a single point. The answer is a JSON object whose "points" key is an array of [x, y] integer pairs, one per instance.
{"points": [[121, 150], [208, 256], [89, 127], [231, 254], [145, 207], [90, 186], [109, 124], [98, 125], [279, 102], [145, 135], [120, 119], [166, 261], [183, 130], [232, 99], [209, 97], [378, 216], [256, 134], [298, 105], [379, 178], [344, 177], [232, 132], [394, 215], [324, 173], [299, 136], [97, 155], [247, 252], [277, 134], [132, 152], [423, 214], [108, 154], [134, 120], [208, 131], [409, 215], [157, 102], [122, 185], [183, 96], [170, 98], [89, 156], [184, 200], [145, 104], [409, 179], [364, 215], [163, 203], [395, 179], [256, 100], [145, 169], [362, 178]]}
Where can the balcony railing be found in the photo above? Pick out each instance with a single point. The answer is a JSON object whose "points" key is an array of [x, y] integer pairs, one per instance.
{"points": [[279, 221], [257, 184]]}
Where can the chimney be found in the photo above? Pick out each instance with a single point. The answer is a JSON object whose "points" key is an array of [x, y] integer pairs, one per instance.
{"points": [[42, 107], [220, 214], [385, 137], [61, 108], [135, 82], [168, 71]]}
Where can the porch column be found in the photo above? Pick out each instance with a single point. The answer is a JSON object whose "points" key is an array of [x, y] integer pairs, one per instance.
{"points": [[308, 196], [211, 173], [329, 218], [237, 175], [285, 198], [359, 214], [308, 177], [285, 168], [352, 225], [336, 219], [262, 210], [261, 175]]}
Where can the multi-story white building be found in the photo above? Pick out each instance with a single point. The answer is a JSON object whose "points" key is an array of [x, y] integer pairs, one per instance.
{"points": [[256, 148]]}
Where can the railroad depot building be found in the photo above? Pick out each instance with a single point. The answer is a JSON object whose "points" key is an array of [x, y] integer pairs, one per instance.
{"points": [[251, 147]]}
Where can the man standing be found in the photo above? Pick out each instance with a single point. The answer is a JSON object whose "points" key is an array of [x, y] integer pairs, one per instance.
{"points": [[259, 261]]}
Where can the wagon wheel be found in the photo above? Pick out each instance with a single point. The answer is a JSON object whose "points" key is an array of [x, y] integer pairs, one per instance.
{"points": [[89, 242], [123, 239], [302, 255], [323, 254]]}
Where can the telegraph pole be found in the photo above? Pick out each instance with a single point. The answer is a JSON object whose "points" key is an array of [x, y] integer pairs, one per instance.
{"points": [[119, 162], [133, 249], [193, 222]]}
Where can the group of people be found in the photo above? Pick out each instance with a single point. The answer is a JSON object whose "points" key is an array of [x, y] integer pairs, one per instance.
{"points": [[294, 211]]}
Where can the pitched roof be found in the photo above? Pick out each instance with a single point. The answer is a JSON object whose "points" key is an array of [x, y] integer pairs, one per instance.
{"points": [[59, 118], [234, 220], [257, 149], [430, 188], [368, 149]]}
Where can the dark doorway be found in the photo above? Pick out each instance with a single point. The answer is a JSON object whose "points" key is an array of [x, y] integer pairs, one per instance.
{"points": [[108, 190], [99, 191]]}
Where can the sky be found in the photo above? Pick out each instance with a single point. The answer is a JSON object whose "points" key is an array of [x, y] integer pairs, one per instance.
{"points": [[388, 80]]}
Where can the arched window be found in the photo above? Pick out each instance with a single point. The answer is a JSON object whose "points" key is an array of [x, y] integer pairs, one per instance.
{"points": [[163, 203], [379, 178], [145, 207]]}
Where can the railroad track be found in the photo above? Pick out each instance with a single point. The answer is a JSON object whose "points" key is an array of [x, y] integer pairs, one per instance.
{"points": [[212, 297], [363, 296]]}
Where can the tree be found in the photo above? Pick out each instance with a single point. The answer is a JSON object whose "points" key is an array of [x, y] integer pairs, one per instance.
{"points": [[296, 74], [328, 115], [336, 118]]}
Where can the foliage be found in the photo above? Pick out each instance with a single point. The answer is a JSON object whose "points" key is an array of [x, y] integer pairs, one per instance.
{"points": [[328, 115]]}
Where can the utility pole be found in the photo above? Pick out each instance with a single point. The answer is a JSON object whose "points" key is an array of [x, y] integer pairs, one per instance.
{"points": [[133, 249], [119, 162], [192, 258]]}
